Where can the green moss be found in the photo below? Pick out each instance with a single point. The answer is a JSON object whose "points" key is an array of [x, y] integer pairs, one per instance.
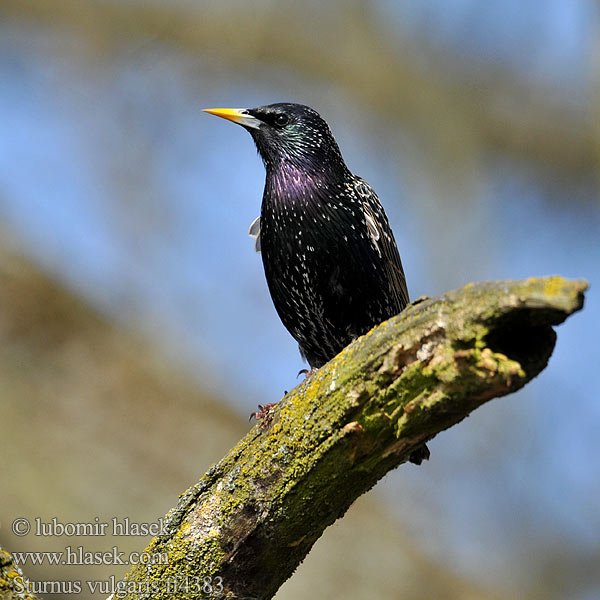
{"points": [[553, 286], [13, 584], [335, 434]]}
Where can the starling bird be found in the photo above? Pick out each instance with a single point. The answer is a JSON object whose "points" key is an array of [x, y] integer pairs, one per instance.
{"points": [[330, 259], [329, 254]]}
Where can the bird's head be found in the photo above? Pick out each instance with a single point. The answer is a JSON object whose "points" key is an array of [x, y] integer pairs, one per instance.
{"points": [[287, 134]]}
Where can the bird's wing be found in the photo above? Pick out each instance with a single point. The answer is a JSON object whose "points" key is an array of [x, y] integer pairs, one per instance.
{"points": [[254, 233], [382, 237]]}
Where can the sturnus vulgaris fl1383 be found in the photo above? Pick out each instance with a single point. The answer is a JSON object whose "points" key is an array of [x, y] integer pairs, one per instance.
{"points": [[330, 259]]}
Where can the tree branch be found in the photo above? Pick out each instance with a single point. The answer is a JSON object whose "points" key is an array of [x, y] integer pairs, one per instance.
{"points": [[253, 517], [248, 523], [13, 584]]}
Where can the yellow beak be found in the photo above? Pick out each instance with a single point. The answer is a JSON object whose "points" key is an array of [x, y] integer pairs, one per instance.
{"points": [[237, 115]]}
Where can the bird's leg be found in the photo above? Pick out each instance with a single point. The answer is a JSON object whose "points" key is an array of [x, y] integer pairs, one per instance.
{"points": [[262, 414], [307, 372]]}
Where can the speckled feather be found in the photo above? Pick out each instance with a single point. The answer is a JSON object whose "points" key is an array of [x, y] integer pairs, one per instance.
{"points": [[329, 254]]}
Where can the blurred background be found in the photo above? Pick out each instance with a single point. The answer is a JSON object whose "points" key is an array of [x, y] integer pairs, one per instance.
{"points": [[136, 330]]}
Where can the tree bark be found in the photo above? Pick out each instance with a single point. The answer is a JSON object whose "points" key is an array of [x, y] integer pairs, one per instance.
{"points": [[241, 531], [13, 584]]}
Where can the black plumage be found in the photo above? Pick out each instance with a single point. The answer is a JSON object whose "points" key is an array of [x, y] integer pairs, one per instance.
{"points": [[329, 254]]}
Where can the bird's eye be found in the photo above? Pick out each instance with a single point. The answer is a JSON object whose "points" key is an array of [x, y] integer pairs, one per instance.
{"points": [[281, 120]]}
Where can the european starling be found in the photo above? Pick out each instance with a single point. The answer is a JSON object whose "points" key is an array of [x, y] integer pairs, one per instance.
{"points": [[330, 259]]}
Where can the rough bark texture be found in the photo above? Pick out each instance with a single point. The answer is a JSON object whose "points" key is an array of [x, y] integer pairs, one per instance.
{"points": [[246, 525], [254, 516], [13, 584]]}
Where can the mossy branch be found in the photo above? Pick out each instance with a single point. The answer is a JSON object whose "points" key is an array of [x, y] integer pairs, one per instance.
{"points": [[248, 523], [13, 584]]}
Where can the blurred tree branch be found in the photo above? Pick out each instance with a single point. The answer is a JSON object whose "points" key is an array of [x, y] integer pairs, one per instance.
{"points": [[13, 584], [507, 112]]}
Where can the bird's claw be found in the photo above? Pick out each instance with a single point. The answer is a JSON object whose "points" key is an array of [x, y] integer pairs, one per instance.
{"points": [[307, 372], [262, 414]]}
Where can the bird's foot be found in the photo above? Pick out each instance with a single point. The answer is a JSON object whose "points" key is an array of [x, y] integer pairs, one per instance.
{"points": [[419, 455], [307, 372], [263, 414]]}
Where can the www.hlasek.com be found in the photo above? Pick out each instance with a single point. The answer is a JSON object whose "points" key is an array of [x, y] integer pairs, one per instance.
{"points": [[79, 556]]}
